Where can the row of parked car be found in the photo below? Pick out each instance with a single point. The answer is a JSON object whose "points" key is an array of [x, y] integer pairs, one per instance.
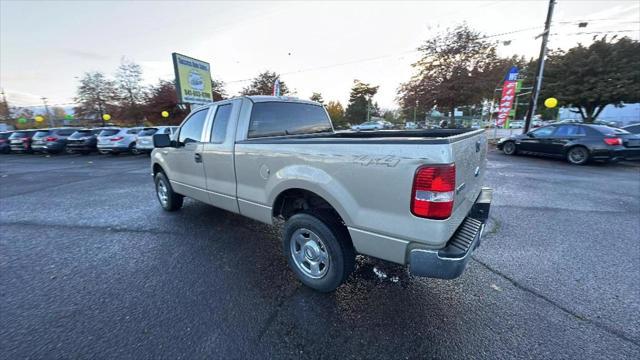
{"points": [[105, 140]]}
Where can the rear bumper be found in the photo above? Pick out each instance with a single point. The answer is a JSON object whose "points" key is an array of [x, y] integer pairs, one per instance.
{"points": [[620, 153], [19, 148], [80, 147], [112, 148], [450, 261]]}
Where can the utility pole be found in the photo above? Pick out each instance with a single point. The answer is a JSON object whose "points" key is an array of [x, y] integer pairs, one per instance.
{"points": [[540, 69], [5, 114], [368, 109], [46, 110]]}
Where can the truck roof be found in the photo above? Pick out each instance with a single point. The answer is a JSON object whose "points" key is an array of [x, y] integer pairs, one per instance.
{"points": [[262, 98]]}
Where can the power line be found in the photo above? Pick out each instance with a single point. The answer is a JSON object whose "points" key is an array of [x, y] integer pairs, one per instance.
{"points": [[596, 32]]}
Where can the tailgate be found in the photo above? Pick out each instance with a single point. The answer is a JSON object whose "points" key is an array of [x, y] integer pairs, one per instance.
{"points": [[469, 155]]}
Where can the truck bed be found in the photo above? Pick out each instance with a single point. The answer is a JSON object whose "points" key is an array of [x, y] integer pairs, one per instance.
{"points": [[431, 136]]}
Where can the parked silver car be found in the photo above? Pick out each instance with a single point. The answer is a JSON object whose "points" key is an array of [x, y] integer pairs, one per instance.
{"points": [[117, 140], [144, 144], [369, 125]]}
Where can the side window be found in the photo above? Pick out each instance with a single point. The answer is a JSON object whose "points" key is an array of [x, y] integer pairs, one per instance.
{"points": [[220, 121], [570, 130], [191, 131], [545, 131], [66, 132]]}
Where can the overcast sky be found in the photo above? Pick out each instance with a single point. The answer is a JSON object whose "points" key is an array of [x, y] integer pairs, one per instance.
{"points": [[317, 46]]}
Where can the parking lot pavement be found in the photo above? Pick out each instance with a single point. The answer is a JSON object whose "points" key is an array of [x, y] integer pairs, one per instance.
{"points": [[91, 267]]}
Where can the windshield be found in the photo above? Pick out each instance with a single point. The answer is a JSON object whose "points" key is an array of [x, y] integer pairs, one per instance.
{"points": [[147, 132], [80, 134], [608, 130], [19, 134], [41, 133], [109, 132]]}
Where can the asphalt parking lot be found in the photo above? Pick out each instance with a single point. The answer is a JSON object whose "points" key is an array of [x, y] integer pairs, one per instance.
{"points": [[91, 267]]}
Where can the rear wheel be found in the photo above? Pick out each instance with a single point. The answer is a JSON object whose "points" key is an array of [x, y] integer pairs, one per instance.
{"points": [[578, 155], [509, 148], [169, 200], [318, 249]]}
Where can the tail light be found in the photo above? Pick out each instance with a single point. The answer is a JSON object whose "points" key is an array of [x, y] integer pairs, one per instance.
{"points": [[433, 191], [50, 138], [117, 138], [613, 141]]}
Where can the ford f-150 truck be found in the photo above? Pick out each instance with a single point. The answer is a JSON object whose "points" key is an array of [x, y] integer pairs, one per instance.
{"points": [[410, 197]]}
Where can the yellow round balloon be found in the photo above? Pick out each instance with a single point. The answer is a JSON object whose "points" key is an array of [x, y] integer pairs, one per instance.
{"points": [[106, 117], [165, 114], [39, 118], [551, 103]]}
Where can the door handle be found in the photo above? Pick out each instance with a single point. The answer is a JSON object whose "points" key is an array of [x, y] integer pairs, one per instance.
{"points": [[198, 157]]}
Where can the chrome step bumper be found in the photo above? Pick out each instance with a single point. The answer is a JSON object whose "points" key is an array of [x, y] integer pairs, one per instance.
{"points": [[450, 261]]}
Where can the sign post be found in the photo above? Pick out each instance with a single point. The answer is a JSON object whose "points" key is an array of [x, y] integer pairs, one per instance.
{"points": [[193, 80]]}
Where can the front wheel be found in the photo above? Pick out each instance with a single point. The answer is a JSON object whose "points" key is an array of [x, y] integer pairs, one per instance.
{"points": [[318, 249], [169, 200], [578, 155], [509, 148]]}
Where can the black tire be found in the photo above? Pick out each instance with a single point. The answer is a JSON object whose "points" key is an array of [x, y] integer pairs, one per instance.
{"points": [[509, 148], [132, 149], [578, 155], [334, 242], [173, 200]]}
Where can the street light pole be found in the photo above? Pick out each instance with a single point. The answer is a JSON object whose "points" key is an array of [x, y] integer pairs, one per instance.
{"points": [[46, 110], [538, 80]]}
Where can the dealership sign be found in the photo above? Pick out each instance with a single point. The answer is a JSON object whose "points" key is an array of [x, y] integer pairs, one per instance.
{"points": [[193, 79], [508, 96]]}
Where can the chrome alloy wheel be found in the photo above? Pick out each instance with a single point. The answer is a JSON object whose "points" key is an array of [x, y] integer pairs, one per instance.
{"points": [[309, 253], [163, 192]]}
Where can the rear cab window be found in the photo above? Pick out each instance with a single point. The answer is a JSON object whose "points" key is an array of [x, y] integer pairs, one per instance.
{"points": [[148, 131], [287, 118]]}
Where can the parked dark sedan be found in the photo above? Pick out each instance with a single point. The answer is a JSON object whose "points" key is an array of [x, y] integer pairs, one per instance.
{"points": [[5, 148], [578, 143], [20, 140], [51, 141], [83, 141]]}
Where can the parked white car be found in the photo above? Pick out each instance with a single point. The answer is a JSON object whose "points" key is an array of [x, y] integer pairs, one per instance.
{"points": [[117, 140], [144, 144], [369, 125]]}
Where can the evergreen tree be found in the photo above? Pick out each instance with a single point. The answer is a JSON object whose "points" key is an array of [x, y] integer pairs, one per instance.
{"points": [[263, 85], [360, 102]]}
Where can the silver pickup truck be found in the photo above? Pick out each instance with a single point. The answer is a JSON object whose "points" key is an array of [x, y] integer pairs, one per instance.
{"points": [[410, 197]]}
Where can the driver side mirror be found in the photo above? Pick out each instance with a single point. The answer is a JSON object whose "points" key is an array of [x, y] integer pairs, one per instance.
{"points": [[162, 140], [531, 135]]}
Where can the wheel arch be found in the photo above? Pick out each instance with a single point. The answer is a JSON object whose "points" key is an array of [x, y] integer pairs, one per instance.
{"points": [[293, 200]]}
